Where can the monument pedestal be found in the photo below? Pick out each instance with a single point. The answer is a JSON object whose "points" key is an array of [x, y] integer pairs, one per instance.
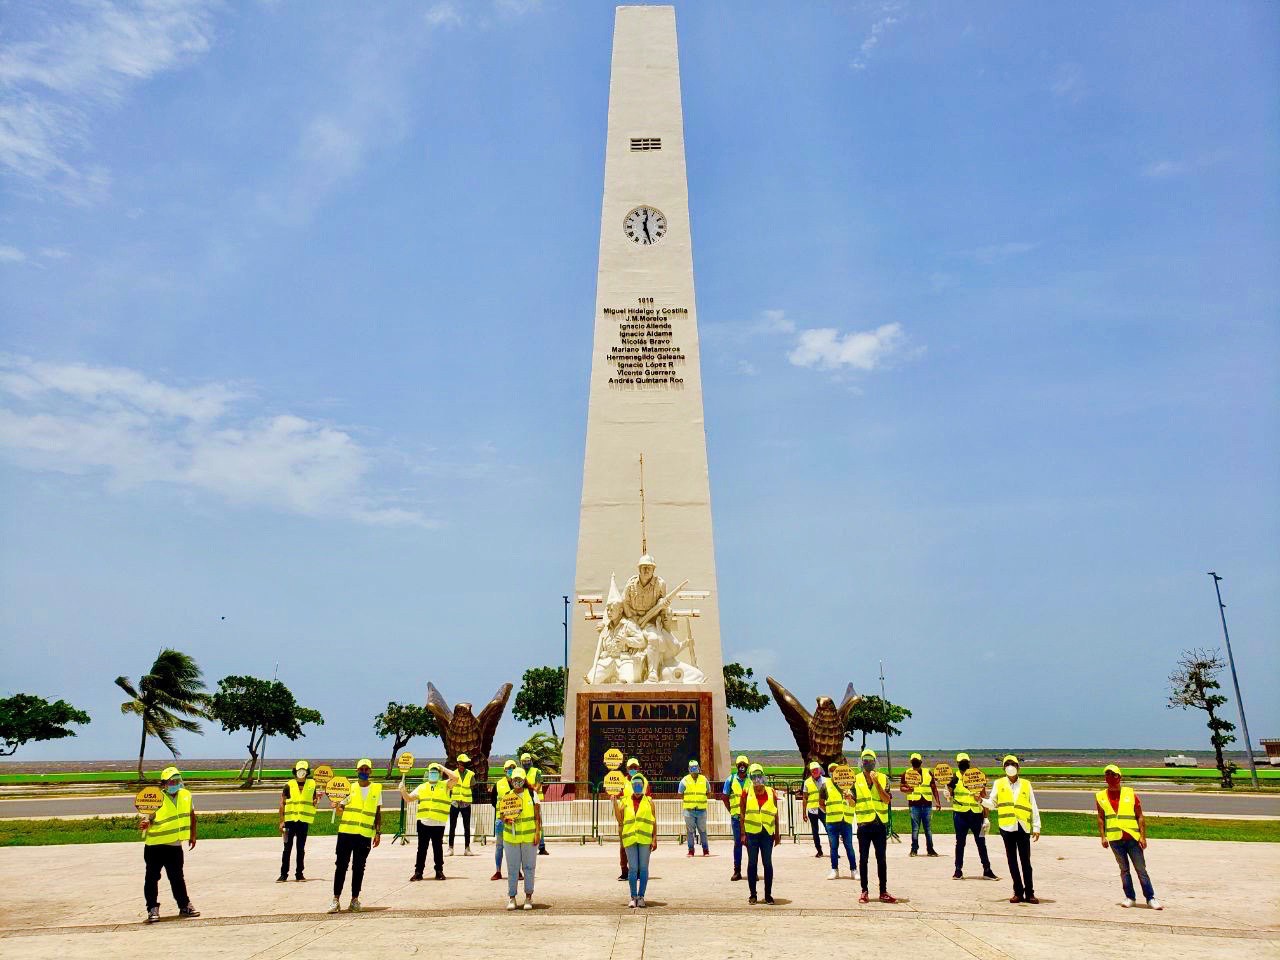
{"points": [[663, 728]]}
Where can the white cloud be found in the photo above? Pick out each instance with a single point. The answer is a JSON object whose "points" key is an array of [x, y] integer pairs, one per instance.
{"points": [[1168, 169], [82, 62], [747, 368], [827, 349], [775, 321], [443, 14], [10, 254], [1068, 83], [133, 430], [885, 19], [996, 252]]}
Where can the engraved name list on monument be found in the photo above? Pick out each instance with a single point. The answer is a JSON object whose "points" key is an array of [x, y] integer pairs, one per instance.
{"points": [[646, 353]]}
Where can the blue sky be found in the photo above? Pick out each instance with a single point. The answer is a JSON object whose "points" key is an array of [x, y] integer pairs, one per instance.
{"points": [[295, 328]]}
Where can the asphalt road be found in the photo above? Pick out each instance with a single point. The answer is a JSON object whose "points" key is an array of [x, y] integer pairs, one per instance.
{"points": [[263, 800]]}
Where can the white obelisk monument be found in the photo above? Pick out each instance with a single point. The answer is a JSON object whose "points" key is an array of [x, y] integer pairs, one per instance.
{"points": [[645, 677]]}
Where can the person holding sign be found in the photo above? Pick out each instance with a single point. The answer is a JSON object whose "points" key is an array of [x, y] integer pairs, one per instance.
{"points": [[460, 797], [501, 789], [1123, 828], [734, 787], [758, 811], [1019, 820], [433, 815], [839, 817], [533, 777], [521, 815], [814, 811], [297, 812], [693, 794], [359, 830], [968, 788], [168, 820], [922, 799], [638, 828], [870, 800]]}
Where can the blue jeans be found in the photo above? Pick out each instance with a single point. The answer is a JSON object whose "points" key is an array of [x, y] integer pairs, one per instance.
{"points": [[817, 821], [695, 823], [921, 815], [638, 868], [497, 842], [760, 847], [520, 856], [1127, 849], [736, 823], [838, 833]]}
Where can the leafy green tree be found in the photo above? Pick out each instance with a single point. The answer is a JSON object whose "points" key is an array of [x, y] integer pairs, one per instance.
{"points": [[25, 717], [874, 714], [741, 691], [1191, 687], [541, 696], [265, 708], [402, 722], [546, 750], [166, 699]]}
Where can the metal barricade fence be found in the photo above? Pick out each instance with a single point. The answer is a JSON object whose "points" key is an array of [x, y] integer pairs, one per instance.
{"points": [[568, 810], [482, 814]]}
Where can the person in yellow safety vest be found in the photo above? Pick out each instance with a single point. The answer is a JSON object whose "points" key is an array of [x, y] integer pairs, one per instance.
{"points": [[522, 831], [433, 813], [297, 812], [460, 805], [839, 819], [694, 789], [870, 800], [533, 776], [922, 800], [359, 830], [632, 768], [501, 789], [758, 811], [1018, 817], [733, 789], [1123, 828], [967, 817], [813, 809], [638, 828], [163, 834]]}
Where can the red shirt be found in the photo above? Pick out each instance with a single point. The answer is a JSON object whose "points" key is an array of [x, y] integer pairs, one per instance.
{"points": [[762, 794]]}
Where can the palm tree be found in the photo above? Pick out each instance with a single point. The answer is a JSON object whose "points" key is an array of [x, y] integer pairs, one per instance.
{"points": [[166, 699]]}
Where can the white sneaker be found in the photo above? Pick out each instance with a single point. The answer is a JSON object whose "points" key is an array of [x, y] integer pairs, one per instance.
{"points": [[1155, 904], [451, 851], [467, 852], [631, 902], [833, 875], [1126, 902], [511, 904], [528, 901], [335, 907]]}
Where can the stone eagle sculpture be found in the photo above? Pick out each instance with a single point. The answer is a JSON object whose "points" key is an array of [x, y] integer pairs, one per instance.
{"points": [[463, 732], [819, 736]]}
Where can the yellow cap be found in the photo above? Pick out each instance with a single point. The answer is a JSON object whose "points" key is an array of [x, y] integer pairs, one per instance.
{"points": [[815, 765], [517, 774], [1010, 758], [435, 766], [302, 765], [525, 756], [754, 769], [741, 759], [694, 762], [364, 762], [916, 756], [868, 753], [633, 762], [508, 764], [1112, 768], [169, 773], [463, 758], [961, 756]]}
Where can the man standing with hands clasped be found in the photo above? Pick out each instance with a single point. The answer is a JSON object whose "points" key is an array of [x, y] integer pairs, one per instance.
{"points": [[870, 800], [359, 830], [1123, 828], [297, 812], [1018, 817]]}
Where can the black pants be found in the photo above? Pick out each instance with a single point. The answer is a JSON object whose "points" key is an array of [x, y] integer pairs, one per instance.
{"points": [[760, 847], [817, 818], [352, 849], [166, 857], [433, 834], [1017, 846], [465, 813], [873, 833], [294, 830], [966, 823]]}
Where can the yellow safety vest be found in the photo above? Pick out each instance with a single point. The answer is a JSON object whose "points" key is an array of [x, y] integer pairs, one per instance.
{"points": [[811, 793], [638, 825], [923, 790], [433, 802], [525, 825], [1008, 812], [695, 792], [867, 805], [503, 787], [300, 806], [1122, 819], [761, 817], [963, 799], [736, 788], [462, 789], [837, 810], [172, 822], [358, 817], [533, 777]]}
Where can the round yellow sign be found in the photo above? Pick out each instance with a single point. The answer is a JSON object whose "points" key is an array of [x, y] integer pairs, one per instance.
{"points": [[510, 806], [843, 777], [974, 779], [912, 778], [942, 773], [615, 782], [149, 799], [337, 789], [405, 762], [613, 758], [322, 775]]}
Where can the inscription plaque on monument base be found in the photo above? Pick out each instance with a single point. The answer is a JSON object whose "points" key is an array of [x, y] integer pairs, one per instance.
{"points": [[663, 730]]}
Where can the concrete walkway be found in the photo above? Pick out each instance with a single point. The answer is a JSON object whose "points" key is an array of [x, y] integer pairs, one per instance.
{"points": [[1222, 901]]}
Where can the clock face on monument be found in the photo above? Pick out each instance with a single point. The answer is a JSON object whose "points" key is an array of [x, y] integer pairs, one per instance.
{"points": [[645, 225]]}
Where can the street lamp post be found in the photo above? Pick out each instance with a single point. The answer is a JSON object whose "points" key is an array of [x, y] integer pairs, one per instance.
{"points": [[1248, 744]]}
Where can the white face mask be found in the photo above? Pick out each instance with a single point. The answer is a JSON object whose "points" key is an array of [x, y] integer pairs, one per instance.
{"points": [[1010, 770]]}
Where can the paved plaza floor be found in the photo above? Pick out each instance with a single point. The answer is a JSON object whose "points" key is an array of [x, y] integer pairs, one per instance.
{"points": [[1222, 901]]}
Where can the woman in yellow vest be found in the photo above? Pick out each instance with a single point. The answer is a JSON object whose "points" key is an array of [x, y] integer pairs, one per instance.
{"points": [[694, 789], [521, 832], [1123, 828], [838, 817], [638, 827], [460, 798], [814, 811], [870, 799], [163, 834], [500, 790], [1018, 817], [758, 811], [359, 830], [297, 812], [433, 813], [533, 776]]}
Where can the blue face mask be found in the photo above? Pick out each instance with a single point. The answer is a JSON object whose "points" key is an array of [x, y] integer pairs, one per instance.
{"points": [[363, 774], [172, 789], [693, 769], [433, 776], [758, 780], [637, 785]]}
